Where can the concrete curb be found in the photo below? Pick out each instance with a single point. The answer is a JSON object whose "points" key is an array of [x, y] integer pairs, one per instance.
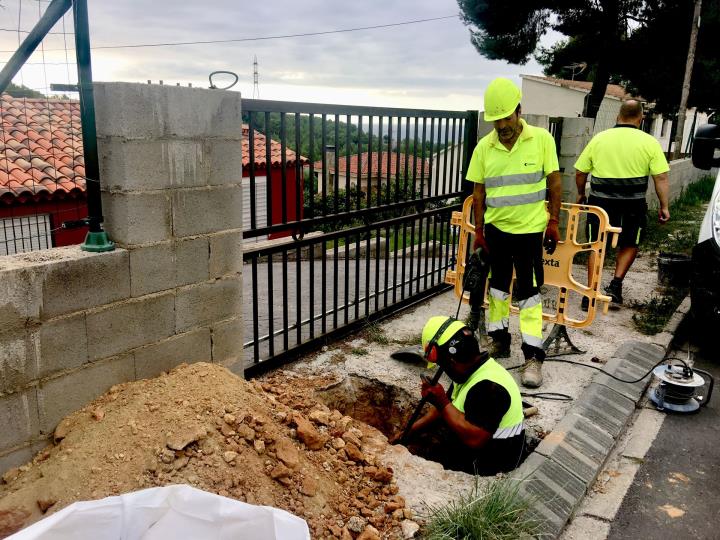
{"points": [[564, 466]]}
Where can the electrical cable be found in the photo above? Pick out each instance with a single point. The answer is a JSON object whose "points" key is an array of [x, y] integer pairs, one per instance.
{"points": [[550, 396]]}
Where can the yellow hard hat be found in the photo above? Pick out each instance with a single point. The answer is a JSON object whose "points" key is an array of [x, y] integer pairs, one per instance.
{"points": [[433, 325], [501, 99]]}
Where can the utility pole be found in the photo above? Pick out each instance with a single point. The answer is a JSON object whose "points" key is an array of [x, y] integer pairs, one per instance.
{"points": [[682, 111], [256, 83]]}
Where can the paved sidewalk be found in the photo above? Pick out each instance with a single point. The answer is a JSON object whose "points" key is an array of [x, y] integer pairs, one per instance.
{"points": [[676, 492]]}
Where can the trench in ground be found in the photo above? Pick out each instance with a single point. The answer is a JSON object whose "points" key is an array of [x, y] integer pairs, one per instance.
{"points": [[387, 408]]}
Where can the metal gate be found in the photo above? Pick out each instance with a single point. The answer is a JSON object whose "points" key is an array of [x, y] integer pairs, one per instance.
{"points": [[357, 206]]}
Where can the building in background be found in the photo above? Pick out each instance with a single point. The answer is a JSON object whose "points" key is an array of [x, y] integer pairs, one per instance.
{"points": [[42, 174]]}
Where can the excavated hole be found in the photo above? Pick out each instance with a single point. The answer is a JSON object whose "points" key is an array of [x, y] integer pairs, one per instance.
{"points": [[385, 407]]}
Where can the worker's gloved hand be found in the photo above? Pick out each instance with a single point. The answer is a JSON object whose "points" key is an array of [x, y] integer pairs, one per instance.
{"points": [[435, 395], [552, 236], [581, 199], [479, 241]]}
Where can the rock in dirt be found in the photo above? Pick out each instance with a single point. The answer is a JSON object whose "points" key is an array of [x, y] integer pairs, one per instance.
{"points": [[309, 486], [45, 504], [287, 453], [354, 453], [320, 417], [356, 524], [229, 456], [246, 432], [369, 533], [12, 520], [11, 475], [280, 471], [180, 439], [409, 529], [98, 414], [61, 430], [259, 446], [307, 433]]}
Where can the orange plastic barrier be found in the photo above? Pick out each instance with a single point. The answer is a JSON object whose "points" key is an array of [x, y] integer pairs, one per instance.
{"points": [[558, 267]]}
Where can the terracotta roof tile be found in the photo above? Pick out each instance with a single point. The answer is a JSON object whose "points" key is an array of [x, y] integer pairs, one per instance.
{"points": [[40, 148], [260, 150], [382, 167]]}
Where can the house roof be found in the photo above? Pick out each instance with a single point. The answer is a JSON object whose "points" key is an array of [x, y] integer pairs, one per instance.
{"points": [[41, 151], [260, 150], [379, 163], [613, 90]]}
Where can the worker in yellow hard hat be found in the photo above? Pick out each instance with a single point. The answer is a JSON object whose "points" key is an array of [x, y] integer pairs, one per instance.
{"points": [[513, 167], [482, 409]]}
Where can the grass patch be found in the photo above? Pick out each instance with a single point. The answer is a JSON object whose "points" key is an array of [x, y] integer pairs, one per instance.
{"points": [[359, 351], [653, 314], [414, 339], [494, 511], [374, 333]]}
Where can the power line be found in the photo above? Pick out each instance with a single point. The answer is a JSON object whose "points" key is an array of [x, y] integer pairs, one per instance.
{"points": [[264, 38]]}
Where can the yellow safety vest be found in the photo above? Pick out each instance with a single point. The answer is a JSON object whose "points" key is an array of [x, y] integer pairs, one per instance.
{"points": [[512, 423]]}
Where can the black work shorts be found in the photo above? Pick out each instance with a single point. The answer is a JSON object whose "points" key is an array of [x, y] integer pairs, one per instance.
{"points": [[630, 214]]}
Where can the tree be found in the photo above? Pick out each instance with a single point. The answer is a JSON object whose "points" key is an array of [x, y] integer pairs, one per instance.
{"points": [[512, 30], [22, 91]]}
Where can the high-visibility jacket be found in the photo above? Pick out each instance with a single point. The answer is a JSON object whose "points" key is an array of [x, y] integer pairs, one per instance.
{"points": [[515, 179], [512, 422], [620, 160]]}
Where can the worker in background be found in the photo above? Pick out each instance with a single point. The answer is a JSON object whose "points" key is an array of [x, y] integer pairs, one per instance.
{"points": [[512, 168], [482, 409], [620, 160]]}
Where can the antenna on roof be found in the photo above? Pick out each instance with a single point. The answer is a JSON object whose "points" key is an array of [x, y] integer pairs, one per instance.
{"points": [[579, 66], [256, 84]]}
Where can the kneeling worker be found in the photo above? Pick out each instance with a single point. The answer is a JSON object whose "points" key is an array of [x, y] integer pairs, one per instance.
{"points": [[482, 408]]}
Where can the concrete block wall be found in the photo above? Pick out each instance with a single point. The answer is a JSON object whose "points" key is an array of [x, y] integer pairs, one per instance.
{"points": [[682, 174], [576, 133], [73, 323]]}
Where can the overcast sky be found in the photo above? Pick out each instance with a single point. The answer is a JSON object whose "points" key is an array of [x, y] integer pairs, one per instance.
{"points": [[428, 65]]}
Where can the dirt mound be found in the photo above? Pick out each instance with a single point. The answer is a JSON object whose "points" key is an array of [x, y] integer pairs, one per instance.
{"points": [[267, 443]]}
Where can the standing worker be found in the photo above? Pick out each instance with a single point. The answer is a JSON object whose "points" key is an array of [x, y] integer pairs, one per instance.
{"points": [[482, 409], [620, 160], [512, 168]]}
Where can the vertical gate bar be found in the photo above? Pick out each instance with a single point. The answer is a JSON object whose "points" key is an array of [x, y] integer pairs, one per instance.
{"points": [[398, 149], [346, 278], [367, 273], [415, 158], [469, 142], [311, 304], [389, 160], [422, 159], [435, 249], [347, 163], [432, 192], [406, 179], [404, 260], [311, 163], [357, 276], [256, 331], [368, 182], [335, 283], [286, 332], [452, 181], [411, 273], [323, 137], [437, 181], [358, 176], [299, 183], [283, 165], [298, 291], [387, 263], [445, 158], [395, 262], [378, 193], [323, 288], [271, 311], [427, 251], [377, 268], [336, 166], [268, 170], [251, 149]]}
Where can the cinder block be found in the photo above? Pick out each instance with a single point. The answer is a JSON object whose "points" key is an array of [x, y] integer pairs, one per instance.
{"points": [[626, 370], [207, 303], [19, 418], [573, 146], [60, 396], [577, 445], [63, 344], [88, 281], [577, 126], [227, 342], [164, 266], [20, 456], [143, 165], [208, 210], [555, 493], [20, 294], [192, 261], [226, 254], [604, 408], [18, 359], [223, 161], [190, 347], [120, 327], [153, 111], [137, 218], [640, 353]]}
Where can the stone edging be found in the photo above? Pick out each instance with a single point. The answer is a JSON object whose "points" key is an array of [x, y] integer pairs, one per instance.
{"points": [[566, 463]]}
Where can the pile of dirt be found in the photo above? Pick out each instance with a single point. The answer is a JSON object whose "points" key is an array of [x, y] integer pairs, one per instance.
{"points": [[263, 442]]}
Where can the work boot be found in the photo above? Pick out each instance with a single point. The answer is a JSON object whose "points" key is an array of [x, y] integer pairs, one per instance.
{"points": [[499, 344], [585, 304], [614, 291], [531, 373]]}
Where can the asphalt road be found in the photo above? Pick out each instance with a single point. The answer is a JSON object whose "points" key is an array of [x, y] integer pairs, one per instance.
{"points": [[676, 493]]}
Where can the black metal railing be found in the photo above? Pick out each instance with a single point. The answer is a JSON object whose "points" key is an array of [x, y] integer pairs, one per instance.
{"points": [[357, 203]]}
